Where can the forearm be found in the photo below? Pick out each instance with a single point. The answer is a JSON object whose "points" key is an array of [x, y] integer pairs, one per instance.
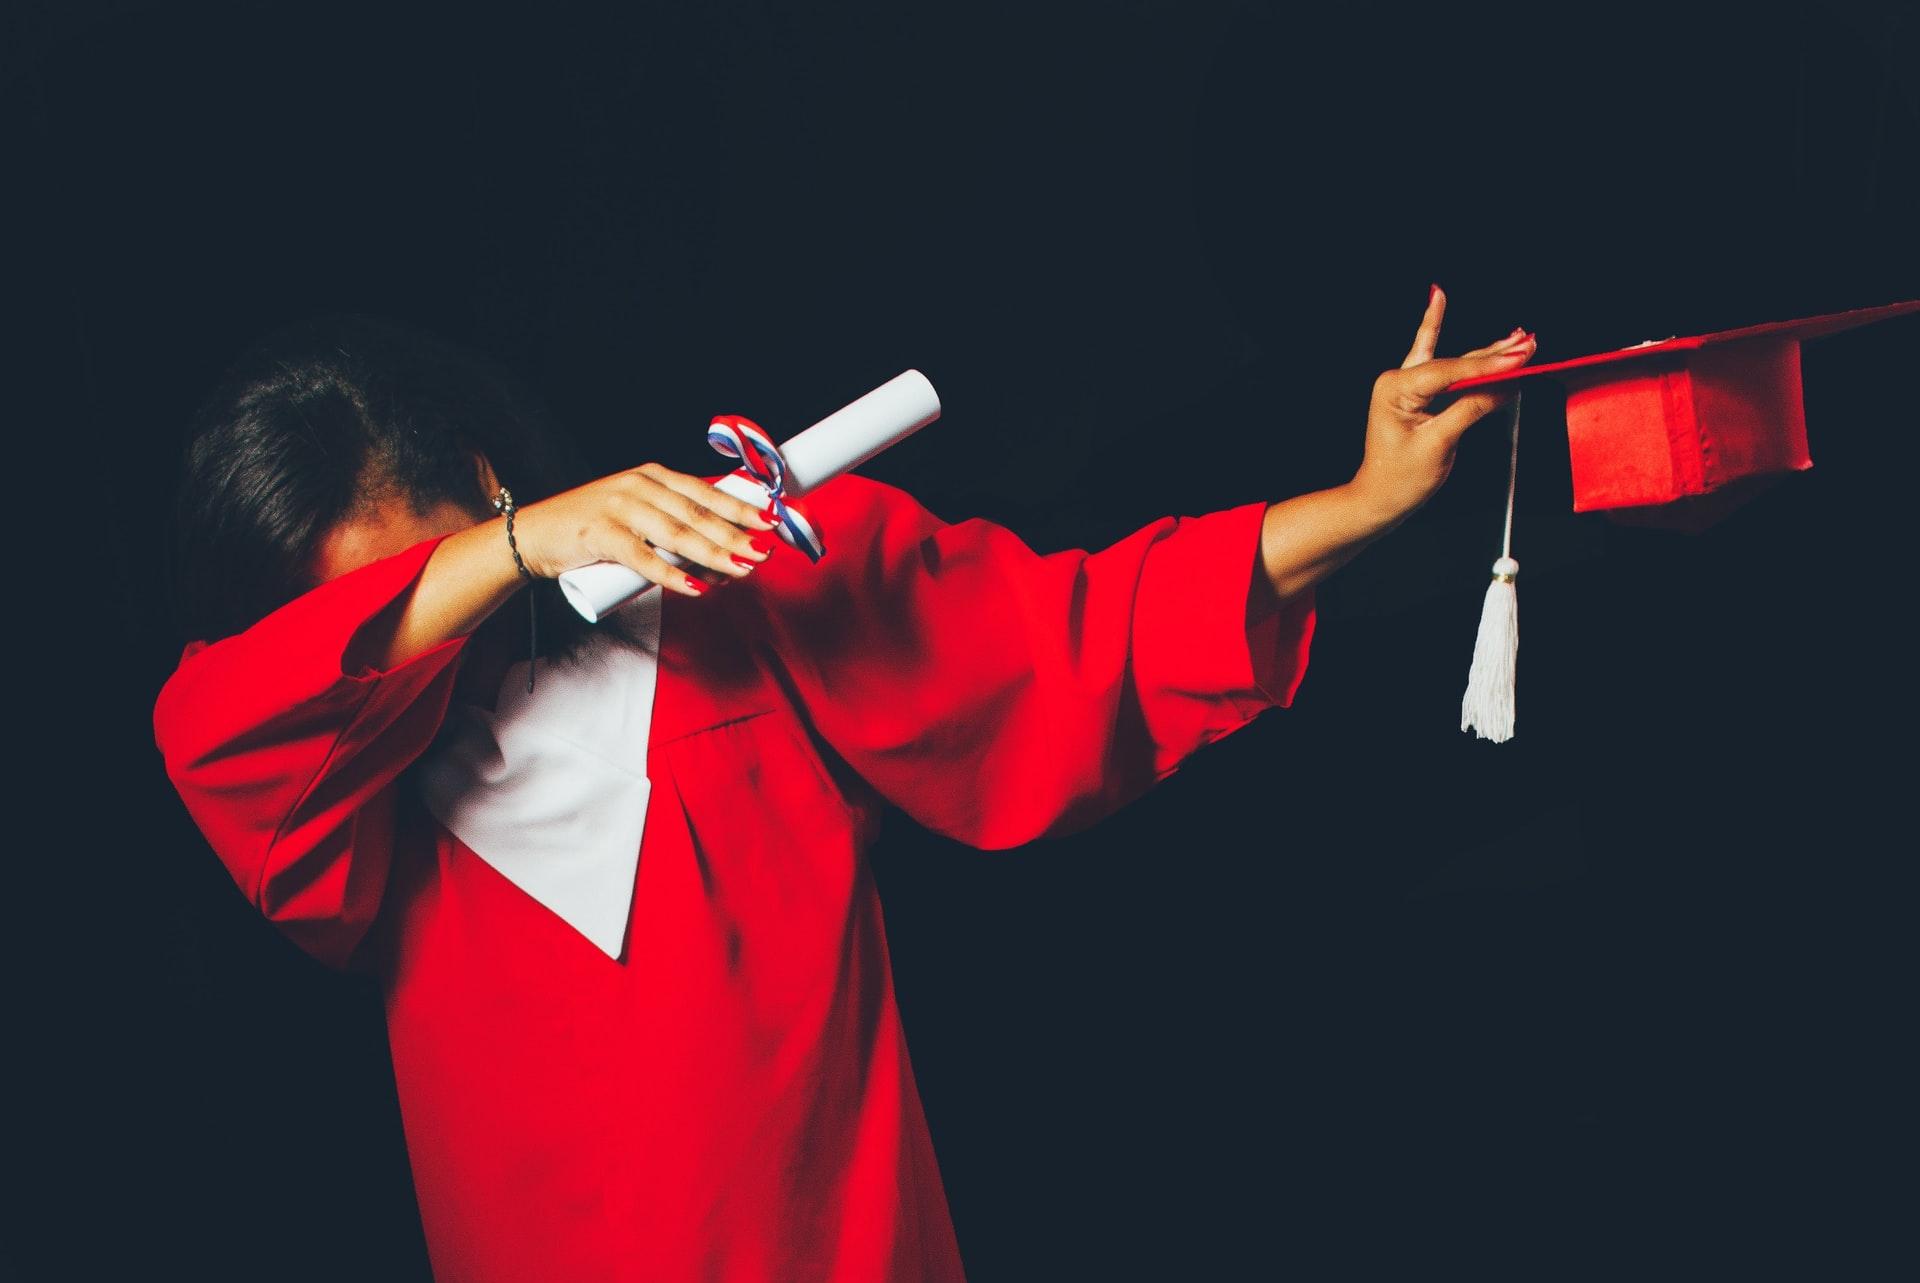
{"points": [[1409, 451], [1306, 538], [469, 576]]}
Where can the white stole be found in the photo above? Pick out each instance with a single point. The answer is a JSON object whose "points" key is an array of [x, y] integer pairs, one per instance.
{"points": [[551, 788]]}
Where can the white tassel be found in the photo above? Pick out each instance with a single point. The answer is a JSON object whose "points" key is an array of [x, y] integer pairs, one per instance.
{"points": [[1487, 709]]}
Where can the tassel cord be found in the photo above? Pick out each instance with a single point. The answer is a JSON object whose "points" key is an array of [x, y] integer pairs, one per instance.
{"points": [[1513, 472]]}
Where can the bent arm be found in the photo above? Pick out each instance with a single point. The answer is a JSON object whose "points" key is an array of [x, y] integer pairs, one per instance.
{"points": [[283, 742], [469, 575]]}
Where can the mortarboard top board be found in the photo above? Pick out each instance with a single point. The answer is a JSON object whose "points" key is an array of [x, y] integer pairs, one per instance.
{"points": [[1665, 421]]}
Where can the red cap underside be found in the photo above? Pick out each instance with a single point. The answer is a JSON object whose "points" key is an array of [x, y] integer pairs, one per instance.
{"points": [[1686, 424]]}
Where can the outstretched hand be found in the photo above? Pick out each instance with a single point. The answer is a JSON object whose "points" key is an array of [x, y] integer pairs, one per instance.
{"points": [[1410, 446]]}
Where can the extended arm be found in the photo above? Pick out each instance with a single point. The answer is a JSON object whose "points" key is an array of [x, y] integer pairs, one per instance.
{"points": [[1413, 429], [1000, 695]]}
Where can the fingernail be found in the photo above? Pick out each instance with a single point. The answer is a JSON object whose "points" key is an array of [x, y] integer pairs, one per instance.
{"points": [[1431, 291], [738, 560], [695, 584], [761, 545]]}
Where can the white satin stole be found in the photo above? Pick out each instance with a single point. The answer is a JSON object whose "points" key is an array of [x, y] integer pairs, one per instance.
{"points": [[551, 788]]}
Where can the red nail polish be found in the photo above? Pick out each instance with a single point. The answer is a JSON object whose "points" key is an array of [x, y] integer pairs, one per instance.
{"points": [[695, 584], [738, 560], [761, 545], [1431, 291], [769, 513]]}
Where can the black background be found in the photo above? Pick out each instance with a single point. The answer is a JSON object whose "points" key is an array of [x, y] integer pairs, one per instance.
{"points": [[1353, 994]]}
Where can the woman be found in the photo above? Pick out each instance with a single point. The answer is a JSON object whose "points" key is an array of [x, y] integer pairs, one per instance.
{"points": [[635, 975]]}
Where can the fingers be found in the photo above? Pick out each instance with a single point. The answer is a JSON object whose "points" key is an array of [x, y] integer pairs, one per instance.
{"points": [[736, 510], [1451, 424], [1428, 335], [1426, 340], [1430, 378], [1512, 340], [1470, 407], [671, 572], [670, 510]]}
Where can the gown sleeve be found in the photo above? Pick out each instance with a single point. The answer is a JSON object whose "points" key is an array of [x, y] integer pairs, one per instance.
{"points": [[998, 695], [286, 756]]}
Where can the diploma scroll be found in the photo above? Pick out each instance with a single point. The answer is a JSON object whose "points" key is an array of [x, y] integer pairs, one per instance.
{"points": [[838, 443]]}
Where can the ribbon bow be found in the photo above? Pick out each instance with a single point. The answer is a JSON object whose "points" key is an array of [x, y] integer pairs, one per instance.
{"points": [[741, 438]]}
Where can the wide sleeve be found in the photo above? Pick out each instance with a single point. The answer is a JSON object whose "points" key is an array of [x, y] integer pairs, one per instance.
{"points": [[286, 759], [998, 695]]}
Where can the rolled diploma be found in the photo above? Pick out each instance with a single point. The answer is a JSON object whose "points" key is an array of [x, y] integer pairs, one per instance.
{"points": [[838, 443]]}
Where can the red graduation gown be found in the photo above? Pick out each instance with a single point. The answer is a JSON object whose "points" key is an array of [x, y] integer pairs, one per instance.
{"points": [[732, 1099]]}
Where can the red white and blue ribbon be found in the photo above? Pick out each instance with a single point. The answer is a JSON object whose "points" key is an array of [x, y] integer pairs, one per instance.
{"points": [[741, 438]]}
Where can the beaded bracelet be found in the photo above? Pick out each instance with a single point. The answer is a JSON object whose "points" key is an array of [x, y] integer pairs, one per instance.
{"points": [[503, 503]]}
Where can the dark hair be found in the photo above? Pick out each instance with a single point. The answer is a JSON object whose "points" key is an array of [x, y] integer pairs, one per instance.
{"points": [[326, 416]]}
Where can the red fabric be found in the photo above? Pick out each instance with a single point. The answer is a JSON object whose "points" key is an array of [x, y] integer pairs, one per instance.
{"points": [[1673, 430], [1670, 422], [734, 1100], [1805, 328]]}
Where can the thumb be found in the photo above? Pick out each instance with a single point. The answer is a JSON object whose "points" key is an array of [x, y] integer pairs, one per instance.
{"points": [[1460, 411], [1448, 426]]}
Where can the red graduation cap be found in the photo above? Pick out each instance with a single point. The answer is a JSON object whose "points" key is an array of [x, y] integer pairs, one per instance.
{"points": [[1653, 430], [1662, 421]]}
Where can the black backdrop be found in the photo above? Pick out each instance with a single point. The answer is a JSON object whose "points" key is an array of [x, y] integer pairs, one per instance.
{"points": [[1351, 991]]}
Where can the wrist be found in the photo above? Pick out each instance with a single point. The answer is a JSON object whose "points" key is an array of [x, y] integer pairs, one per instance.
{"points": [[530, 522], [486, 562], [508, 510]]}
